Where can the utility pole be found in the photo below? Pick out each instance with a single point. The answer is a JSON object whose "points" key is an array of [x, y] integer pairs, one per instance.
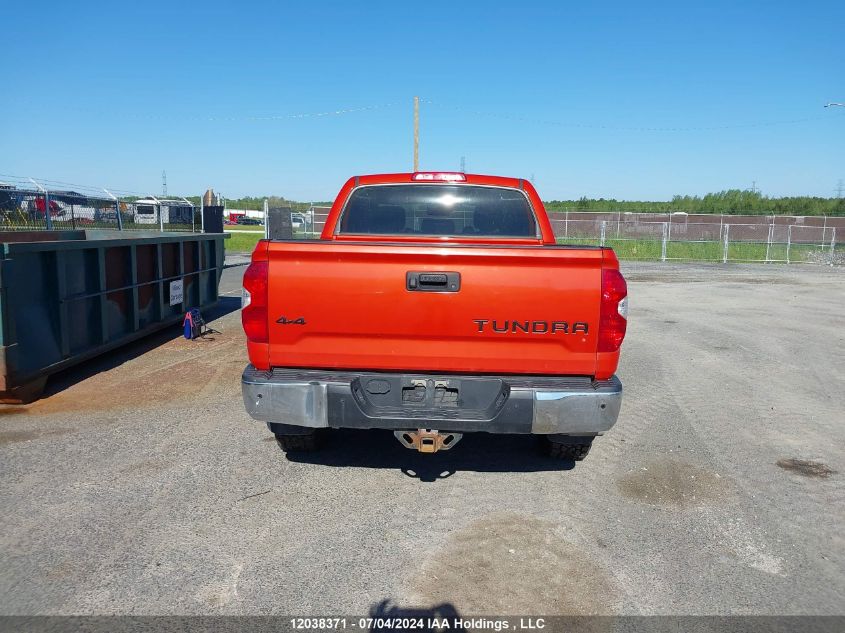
{"points": [[840, 187], [164, 184], [47, 218], [116, 209], [753, 186], [416, 134]]}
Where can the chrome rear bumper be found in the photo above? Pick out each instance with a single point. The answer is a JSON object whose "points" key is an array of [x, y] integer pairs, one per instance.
{"points": [[570, 405]]}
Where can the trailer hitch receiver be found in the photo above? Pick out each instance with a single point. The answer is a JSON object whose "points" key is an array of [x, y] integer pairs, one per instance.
{"points": [[427, 440]]}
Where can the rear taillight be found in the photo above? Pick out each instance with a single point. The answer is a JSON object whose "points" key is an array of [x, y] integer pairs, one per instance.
{"points": [[614, 310], [254, 302]]}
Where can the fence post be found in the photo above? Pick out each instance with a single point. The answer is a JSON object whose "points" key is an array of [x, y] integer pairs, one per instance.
{"points": [[832, 239], [618, 222], [566, 225], [663, 246], [47, 211], [116, 209], [769, 241], [603, 230], [160, 218], [725, 248], [788, 241], [202, 214], [48, 220]]}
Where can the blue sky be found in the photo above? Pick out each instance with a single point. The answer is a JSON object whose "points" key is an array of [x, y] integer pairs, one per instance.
{"points": [[112, 94]]}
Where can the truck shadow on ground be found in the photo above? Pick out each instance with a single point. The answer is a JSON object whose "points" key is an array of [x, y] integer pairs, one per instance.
{"points": [[385, 616], [66, 378], [479, 452]]}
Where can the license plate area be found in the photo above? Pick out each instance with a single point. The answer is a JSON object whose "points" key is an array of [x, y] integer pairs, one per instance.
{"points": [[428, 397], [438, 393]]}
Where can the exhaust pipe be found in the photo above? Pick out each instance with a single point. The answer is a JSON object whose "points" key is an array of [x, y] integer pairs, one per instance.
{"points": [[427, 440]]}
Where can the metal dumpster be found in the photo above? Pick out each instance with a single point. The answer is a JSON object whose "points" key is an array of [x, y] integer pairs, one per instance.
{"points": [[66, 296]]}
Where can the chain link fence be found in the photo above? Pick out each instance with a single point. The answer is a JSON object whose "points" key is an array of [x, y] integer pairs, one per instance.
{"points": [[639, 236], [707, 242], [683, 237], [43, 209], [317, 217]]}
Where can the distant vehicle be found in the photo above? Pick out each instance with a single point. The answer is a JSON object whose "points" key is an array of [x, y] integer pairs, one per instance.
{"points": [[434, 304], [245, 221], [9, 199], [173, 211], [39, 204], [297, 220], [229, 222]]}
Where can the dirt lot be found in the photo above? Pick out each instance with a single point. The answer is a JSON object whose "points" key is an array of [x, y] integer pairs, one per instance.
{"points": [[140, 486]]}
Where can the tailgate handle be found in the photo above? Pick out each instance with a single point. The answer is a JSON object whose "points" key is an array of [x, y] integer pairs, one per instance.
{"points": [[432, 281]]}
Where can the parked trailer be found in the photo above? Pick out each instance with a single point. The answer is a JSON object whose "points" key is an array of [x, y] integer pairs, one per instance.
{"points": [[66, 296], [177, 211]]}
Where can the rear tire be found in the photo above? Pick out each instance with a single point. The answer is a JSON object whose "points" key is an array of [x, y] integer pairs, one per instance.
{"points": [[571, 448], [296, 438], [300, 443]]}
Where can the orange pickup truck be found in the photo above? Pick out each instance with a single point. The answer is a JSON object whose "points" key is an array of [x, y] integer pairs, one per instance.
{"points": [[434, 304]]}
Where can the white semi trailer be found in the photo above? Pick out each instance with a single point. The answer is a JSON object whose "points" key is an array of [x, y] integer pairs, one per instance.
{"points": [[152, 210]]}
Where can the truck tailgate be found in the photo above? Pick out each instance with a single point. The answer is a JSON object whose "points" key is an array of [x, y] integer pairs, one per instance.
{"points": [[518, 310]]}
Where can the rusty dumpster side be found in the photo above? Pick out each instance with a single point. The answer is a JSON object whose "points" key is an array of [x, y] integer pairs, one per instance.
{"points": [[69, 296]]}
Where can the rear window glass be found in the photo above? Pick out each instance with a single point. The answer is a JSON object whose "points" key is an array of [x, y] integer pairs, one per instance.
{"points": [[438, 210]]}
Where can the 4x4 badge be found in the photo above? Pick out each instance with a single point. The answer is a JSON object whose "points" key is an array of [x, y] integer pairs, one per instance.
{"points": [[283, 320]]}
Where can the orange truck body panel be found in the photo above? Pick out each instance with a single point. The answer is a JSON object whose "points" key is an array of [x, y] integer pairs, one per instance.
{"points": [[343, 302]]}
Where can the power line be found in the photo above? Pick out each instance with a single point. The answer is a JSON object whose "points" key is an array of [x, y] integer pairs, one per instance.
{"points": [[597, 126], [24, 182], [200, 116], [270, 117]]}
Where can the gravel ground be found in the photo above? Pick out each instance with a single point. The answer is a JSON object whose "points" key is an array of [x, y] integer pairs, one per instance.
{"points": [[139, 485]]}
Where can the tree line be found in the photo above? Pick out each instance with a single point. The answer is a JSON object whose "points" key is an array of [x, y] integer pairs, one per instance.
{"points": [[256, 203], [729, 202]]}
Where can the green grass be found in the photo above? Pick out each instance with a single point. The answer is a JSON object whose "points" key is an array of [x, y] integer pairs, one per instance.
{"points": [[242, 242], [81, 225], [650, 250], [645, 250], [244, 227]]}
